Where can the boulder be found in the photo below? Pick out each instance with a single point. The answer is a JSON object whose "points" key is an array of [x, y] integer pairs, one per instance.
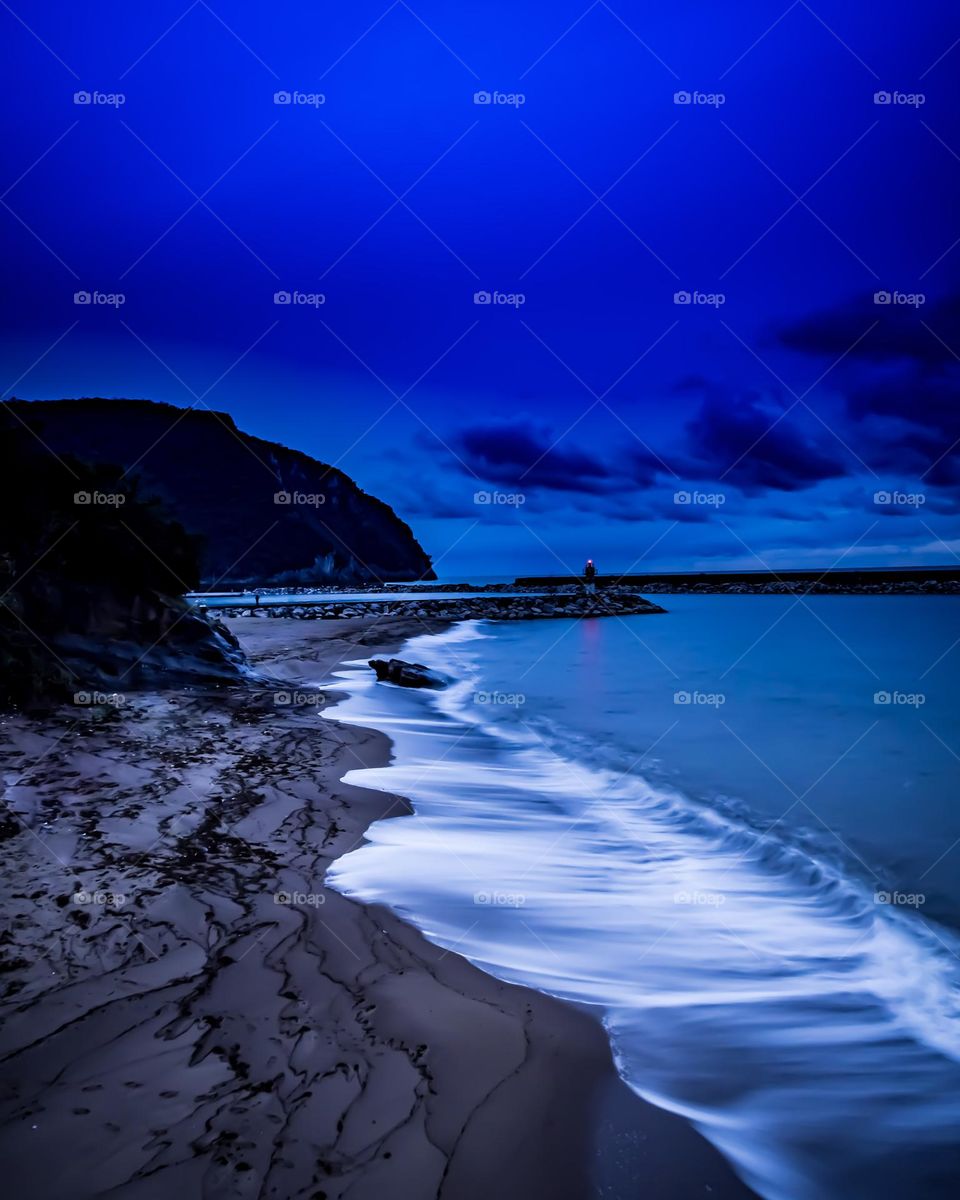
{"points": [[405, 674]]}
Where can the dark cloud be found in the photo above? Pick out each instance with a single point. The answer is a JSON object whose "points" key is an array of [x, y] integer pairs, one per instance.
{"points": [[525, 456], [928, 334], [751, 445], [910, 423], [901, 382], [926, 399], [734, 440]]}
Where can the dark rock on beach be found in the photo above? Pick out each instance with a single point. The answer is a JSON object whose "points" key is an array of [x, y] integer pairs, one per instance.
{"points": [[405, 674]]}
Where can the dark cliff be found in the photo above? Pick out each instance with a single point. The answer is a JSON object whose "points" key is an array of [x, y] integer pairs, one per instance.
{"points": [[91, 598], [262, 513]]}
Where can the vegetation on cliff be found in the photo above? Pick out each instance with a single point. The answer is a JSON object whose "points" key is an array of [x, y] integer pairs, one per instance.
{"points": [[91, 581]]}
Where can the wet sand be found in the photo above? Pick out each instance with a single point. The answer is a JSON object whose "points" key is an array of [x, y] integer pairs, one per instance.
{"points": [[187, 1010]]}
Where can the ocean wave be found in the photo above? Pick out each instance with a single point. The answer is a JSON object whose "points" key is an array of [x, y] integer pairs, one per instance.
{"points": [[808, 1028]]}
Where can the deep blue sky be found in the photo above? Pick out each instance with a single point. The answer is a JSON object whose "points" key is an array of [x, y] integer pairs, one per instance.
{"points": [[598, 198]]}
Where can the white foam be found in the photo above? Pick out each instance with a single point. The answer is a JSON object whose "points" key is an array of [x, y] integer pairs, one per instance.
{"points": [[811, 1033]]}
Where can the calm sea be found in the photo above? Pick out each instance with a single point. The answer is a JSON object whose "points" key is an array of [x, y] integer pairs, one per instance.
{"points": [[735, 830]]}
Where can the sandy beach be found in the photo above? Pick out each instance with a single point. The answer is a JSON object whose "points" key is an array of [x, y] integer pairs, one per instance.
{"points": [[186, 1009]]}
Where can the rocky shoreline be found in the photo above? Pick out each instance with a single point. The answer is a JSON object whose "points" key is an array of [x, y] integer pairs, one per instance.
{"points": [[469, 607], [789, 587]]}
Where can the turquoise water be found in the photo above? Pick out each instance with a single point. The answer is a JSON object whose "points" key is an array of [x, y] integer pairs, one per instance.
{"points": [[733, 829], [799, 737]]}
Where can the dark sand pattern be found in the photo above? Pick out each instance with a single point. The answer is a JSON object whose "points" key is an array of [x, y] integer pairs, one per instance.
{"points": [[188, 1011]]}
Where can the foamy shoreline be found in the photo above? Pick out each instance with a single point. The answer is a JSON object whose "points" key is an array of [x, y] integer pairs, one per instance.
{"points": [[707, 940], [188, 1008]]}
